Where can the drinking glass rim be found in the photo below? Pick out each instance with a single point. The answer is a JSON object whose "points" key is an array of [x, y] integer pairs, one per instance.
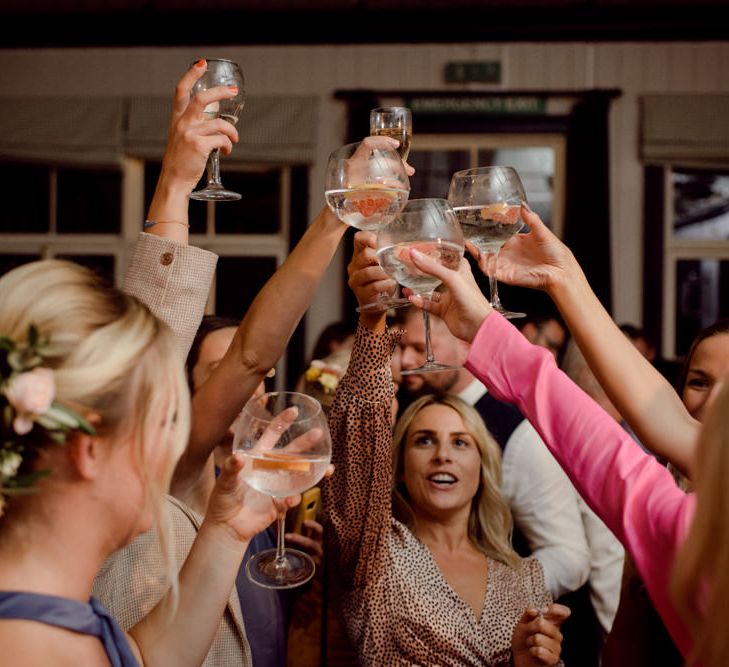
{"points": [[260, 399], [393, 109], [478, 171], [217, 60]]}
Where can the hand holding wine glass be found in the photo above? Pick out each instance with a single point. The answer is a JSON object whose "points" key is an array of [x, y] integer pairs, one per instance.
{"points": [[220, 72], [285, 441], [430, 227], [367, 183], [487, 201]]}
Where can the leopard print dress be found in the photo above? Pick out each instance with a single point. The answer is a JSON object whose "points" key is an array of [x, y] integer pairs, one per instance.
{"points": [[398, 608]]}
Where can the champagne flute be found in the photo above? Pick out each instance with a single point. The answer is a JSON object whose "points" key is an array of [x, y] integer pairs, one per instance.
{"points": [[487, 201], [219, 72], [366, 184], [431, 227], [395, 122], [285, 440]]}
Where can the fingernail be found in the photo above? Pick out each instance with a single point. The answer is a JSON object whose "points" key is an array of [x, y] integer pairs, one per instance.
{"points": [[200, 63], [233, 90]]}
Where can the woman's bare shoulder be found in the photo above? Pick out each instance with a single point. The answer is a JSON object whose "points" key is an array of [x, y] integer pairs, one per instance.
{"points": [[32, 644]]}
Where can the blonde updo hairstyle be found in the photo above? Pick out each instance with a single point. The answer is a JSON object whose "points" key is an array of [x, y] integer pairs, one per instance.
{"points": [[490, 523], [111, 357]]}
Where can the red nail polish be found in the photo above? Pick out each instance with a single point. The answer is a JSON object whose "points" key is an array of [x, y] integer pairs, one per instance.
{"points": [[233, 89], [200, 63]]}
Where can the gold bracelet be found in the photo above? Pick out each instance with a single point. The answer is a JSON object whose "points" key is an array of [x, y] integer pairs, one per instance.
{"points": [[151, 223]]}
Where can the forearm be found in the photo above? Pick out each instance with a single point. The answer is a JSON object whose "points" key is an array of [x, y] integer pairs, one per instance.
{"points": [[173, 280], [640, 393], [261, 338], [170, 206], [206, 580]]}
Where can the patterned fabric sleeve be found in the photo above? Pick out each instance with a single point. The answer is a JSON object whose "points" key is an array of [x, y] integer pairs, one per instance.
{"points": [[357, 498], [173, 280]]}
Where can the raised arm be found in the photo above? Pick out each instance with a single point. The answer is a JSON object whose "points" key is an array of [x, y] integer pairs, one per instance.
{"points": [[641, 394], [259, 342], [170, 277], [357, 498], [236, 512], [628, 489]]}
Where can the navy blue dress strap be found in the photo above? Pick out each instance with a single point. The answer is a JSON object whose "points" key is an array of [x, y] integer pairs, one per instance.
{"points": [[88, 619]]}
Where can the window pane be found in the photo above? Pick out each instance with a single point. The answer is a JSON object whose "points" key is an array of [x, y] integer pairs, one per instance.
{"points": [[700, 204], [433, 171], [535, 165], [197, 211], [239, 279], [103, 265], [702, 297], [26, 211], [259, 210], [9, 262], [89, 201]]}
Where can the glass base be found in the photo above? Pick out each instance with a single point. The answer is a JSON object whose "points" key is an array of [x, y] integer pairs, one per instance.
{"points": [[385, 304], [508, 314], [215, 193], [295, 569], [429, 367]]}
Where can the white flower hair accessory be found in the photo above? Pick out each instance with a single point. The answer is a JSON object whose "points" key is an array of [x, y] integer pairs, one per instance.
{"points": [[28, 408]]}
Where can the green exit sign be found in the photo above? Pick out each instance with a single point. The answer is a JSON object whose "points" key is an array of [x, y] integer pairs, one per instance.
{"points": [[470, 71]]}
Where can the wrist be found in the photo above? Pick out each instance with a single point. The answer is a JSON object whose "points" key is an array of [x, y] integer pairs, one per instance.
{"points": [[329, 221], [224, 537]]}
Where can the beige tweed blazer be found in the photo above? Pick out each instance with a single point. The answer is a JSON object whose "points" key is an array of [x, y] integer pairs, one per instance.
{"points": [[173, 280]]}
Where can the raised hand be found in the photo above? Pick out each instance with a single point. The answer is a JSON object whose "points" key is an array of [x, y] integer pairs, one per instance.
{"points": [[367, 279], [462, 306], [538, 259], [191, 138], [238, 507], [537, 639]]}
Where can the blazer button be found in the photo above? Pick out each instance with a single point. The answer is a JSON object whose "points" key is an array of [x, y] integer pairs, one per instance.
{"points": [[166, 258]]}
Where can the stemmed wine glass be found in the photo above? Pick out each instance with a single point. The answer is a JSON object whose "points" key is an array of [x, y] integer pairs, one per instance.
{"points": [[219, 72], [430, 226], [285, 440], [395, 122], [366, 184], [487, 201]]}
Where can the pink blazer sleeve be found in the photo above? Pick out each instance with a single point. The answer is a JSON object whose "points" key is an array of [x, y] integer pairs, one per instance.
{"points": [[628, 489]]}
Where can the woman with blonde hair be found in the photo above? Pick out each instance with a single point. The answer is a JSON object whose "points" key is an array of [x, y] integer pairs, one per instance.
{"points": [[420, 534], [679, 541], [95, 414], [489, 523]]}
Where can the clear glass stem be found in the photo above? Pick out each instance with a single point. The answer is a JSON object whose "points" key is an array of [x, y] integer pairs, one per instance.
{"points": [[493, 284], [280, 524], [429, 358], [214, 169]]}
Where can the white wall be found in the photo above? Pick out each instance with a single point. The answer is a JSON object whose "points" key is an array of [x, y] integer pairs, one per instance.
{"points": [[636, 68]]}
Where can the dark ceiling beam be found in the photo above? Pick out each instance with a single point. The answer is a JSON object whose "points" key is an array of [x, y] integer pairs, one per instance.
{"points": [[152, 27]]}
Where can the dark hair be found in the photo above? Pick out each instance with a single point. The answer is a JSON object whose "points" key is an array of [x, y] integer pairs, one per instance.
{"points": [[721, 326], [336, 332], [209, 324]]}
